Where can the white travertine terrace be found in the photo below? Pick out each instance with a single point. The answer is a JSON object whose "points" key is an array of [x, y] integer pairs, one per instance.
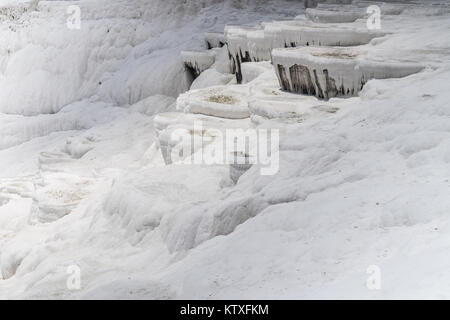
{"points": [[362, 180], [333, 72], [198, 61], [169, 125], [298, 33], [334, 15], [12, 11], [220, 101], [255, 44]]}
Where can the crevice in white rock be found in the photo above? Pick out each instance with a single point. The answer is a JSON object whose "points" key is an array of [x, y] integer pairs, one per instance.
{"points": [[334, 13], [239, 166]]}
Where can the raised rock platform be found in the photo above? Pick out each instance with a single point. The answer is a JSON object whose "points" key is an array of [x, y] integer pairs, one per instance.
{"points": [[247, 44], [333, 72], [220, 101]]}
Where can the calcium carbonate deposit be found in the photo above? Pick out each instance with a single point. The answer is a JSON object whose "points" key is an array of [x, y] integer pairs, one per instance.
{"points": [[105, 192]]}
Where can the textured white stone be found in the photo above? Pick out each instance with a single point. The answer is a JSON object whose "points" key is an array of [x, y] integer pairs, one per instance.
{"points": [[166, 124], [334, 16], [331, 72], [219, 101], [247, 44]]}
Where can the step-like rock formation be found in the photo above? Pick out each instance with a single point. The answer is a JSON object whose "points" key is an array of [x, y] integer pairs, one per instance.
{"points": [[333, 72], [240, 165], [299, 33], [334, 15], [256, 44], [268, 103], [170, 126], [386, 8], [237, 44], [311, 3], [220, 101], [274, 104], [196, 62]]}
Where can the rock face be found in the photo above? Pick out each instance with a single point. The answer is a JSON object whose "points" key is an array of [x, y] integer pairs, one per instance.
{"points": [[333, 72]]}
